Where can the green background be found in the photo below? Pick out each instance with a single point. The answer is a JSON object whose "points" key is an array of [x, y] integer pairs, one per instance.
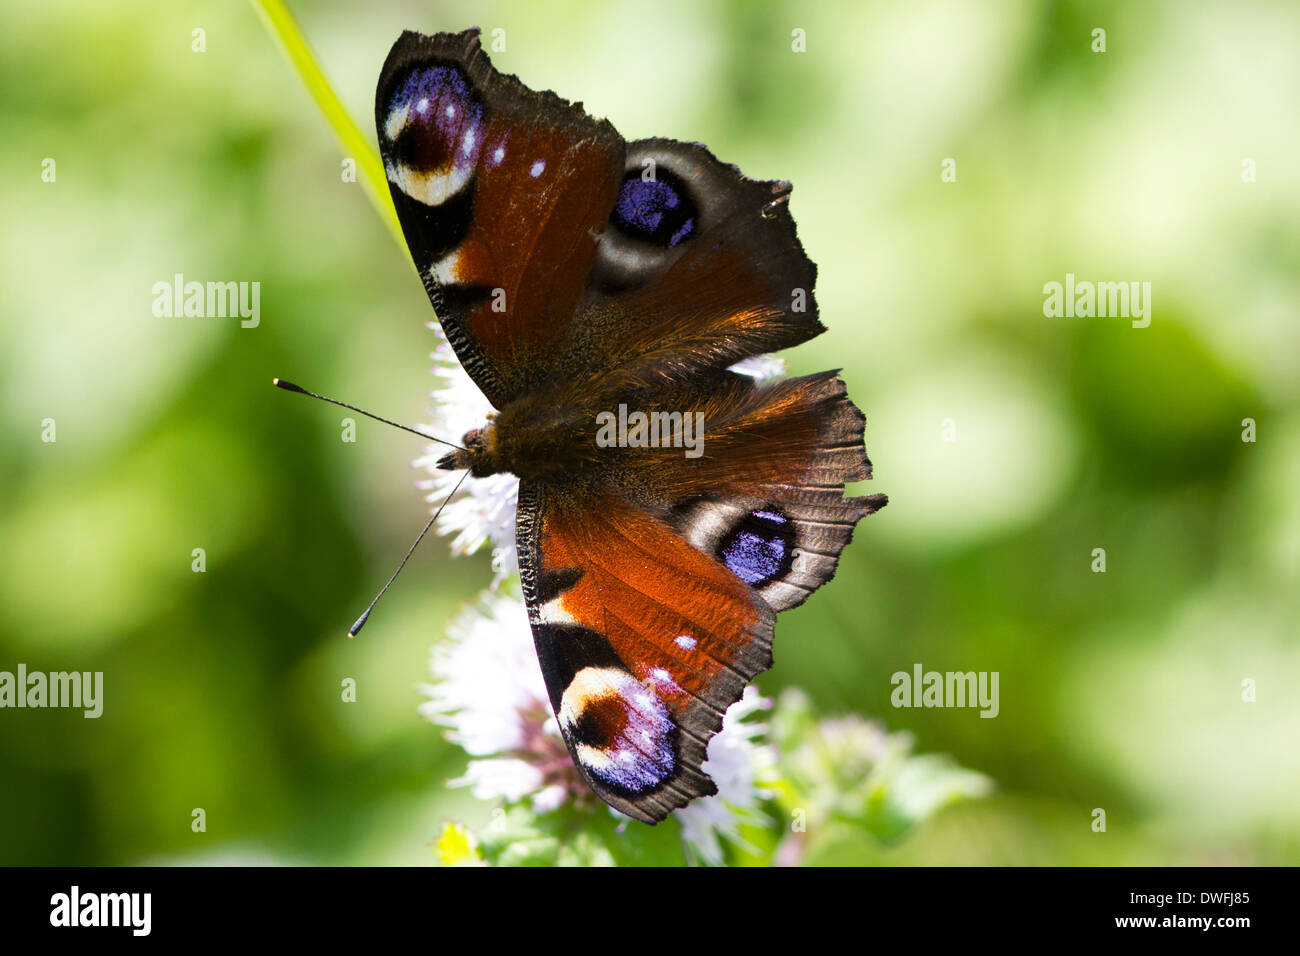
{"points": [[1120, 691]]}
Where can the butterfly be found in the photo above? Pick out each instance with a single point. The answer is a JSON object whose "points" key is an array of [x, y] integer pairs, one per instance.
{"points": [[578, 276]]}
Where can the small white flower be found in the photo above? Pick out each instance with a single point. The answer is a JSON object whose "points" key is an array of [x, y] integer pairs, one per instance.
{"points": [[500, 778], [486, 676], [488, 690], [741, 765], [483, 510]]}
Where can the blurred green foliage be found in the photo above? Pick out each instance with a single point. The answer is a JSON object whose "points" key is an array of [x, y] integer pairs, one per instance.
{"points": [[1120, 690]]}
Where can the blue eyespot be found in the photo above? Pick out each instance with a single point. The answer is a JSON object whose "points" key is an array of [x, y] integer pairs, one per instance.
{"points": [[620, 730], [658, 210], [435, 119], [759, 549]]}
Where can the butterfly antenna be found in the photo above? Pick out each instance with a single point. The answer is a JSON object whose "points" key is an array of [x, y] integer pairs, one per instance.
{"points": [[290, 387], [355, 629]]}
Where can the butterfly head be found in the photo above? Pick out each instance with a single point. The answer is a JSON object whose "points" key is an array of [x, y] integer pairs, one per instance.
{"points": [[476, 455]]}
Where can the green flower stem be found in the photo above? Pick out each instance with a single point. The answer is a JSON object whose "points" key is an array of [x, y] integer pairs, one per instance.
{"points": [[281, 24]]}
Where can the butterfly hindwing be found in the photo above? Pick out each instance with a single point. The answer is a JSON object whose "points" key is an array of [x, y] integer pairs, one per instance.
{"points": [[775, 465], [652, 595], [643, 640]]}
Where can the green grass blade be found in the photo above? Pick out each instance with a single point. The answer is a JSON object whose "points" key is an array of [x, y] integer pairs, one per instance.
{"points": [[281, 24]]}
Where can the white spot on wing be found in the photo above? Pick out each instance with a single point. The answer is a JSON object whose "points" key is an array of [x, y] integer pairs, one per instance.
{"points": [[444, 270], [664, 680], [433, 188], [553, 612], [685, 642], [396, 122], [536, 169]]}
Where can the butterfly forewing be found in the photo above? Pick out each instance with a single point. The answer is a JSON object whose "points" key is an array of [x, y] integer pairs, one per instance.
{"points": [[502, 193]]}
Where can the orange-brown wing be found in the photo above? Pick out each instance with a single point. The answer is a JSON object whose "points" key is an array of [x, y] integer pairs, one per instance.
{"points": [[502, 193], [698, 267], [554, 251], [644, 641], [652, 588], [765, 496]]}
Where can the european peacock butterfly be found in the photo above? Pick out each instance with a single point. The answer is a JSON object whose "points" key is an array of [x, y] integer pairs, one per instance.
{"points": [[578, 276]]}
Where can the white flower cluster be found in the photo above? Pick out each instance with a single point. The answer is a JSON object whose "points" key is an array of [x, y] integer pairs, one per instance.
{"points": [[484, 509]]}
